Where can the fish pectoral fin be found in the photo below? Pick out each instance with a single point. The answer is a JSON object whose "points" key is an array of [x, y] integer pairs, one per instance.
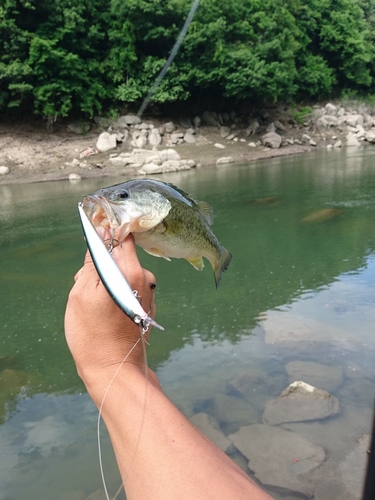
{"points": [[207, 211], [173, 226], [197, 262], [156, 253]]}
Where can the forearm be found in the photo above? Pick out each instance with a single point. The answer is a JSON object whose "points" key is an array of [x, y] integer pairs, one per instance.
{"points": [[160, 454]]}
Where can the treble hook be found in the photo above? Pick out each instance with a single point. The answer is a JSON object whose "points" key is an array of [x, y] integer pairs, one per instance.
{"points": [[111, 246]]}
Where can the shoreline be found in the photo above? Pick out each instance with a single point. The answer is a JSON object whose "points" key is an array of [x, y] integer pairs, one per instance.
{"points": [[34, 155], [29, 153]]}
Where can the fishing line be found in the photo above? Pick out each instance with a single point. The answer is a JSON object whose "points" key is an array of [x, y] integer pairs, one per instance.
{"points": [[99, 418], [143, 341], [172, 55]]}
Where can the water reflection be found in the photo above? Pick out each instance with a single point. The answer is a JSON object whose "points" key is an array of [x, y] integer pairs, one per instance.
{"points": [[296, 290]]}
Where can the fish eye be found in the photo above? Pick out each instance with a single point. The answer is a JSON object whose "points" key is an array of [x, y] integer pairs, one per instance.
{"points": [[123, 194]]}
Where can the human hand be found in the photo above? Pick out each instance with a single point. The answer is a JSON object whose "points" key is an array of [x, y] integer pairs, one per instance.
{"points": [[98, 332]]}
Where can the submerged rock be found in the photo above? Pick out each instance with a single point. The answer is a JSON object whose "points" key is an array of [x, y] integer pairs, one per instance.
{"points": [[300, 402], [233, 410], [211, 428], [278, 457], [346, 482]]}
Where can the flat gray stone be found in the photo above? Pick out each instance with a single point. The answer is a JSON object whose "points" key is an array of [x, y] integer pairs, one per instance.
{"points": [[347, 480], [251, 385], [325, 377], [233, 410], [279, 458], [300, 402], [210, 428]]}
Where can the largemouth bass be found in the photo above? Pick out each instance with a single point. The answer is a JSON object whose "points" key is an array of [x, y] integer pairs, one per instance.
{"points": [[165, 222], [112, 277]]}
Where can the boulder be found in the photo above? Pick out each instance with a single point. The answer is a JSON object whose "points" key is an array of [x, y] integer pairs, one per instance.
{"points": [[219, 146], [279, 125], [189, 137], [253, 128], [74, 177], [272, 140], [354, 120], [177, 137], [224, 132], [233, 410], [330, 109], [154, 137], [169, 154], [106, 142], [300, 402], [370, 137], [351, 140], [279, 458], [346, 482], [79, 128], [130, 119], [169, 127], [224, 160], [150, 168], [4, 170], [185, 122], [139, 138], [327, 121], [210, 118], [197, 121], [271, 127]]}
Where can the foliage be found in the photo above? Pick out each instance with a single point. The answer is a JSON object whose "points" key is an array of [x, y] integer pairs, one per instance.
{"points": [[64, 56]]}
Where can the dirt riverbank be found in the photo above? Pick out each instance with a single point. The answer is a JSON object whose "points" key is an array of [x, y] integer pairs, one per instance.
{"points": [[31, 153]]}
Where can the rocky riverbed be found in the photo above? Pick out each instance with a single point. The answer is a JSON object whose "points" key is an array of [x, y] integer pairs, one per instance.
{"points": [[131, 146]]}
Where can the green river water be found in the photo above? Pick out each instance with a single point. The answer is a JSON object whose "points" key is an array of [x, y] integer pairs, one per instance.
{"points": [[302, 233]]}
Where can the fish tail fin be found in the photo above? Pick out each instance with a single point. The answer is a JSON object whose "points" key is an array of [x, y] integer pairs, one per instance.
{"points": [[222, 264]]}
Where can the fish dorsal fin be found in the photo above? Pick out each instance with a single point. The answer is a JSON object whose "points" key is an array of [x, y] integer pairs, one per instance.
{"points": [[207, 211]]}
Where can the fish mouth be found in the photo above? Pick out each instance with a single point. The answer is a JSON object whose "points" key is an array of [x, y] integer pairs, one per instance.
{"points": [[103, 214]]}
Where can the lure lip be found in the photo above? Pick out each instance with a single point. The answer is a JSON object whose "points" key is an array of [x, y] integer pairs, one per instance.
{"points": [[111, 276]]}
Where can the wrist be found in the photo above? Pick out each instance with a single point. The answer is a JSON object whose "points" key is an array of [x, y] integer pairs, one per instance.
{"points": [[127, 378]]}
